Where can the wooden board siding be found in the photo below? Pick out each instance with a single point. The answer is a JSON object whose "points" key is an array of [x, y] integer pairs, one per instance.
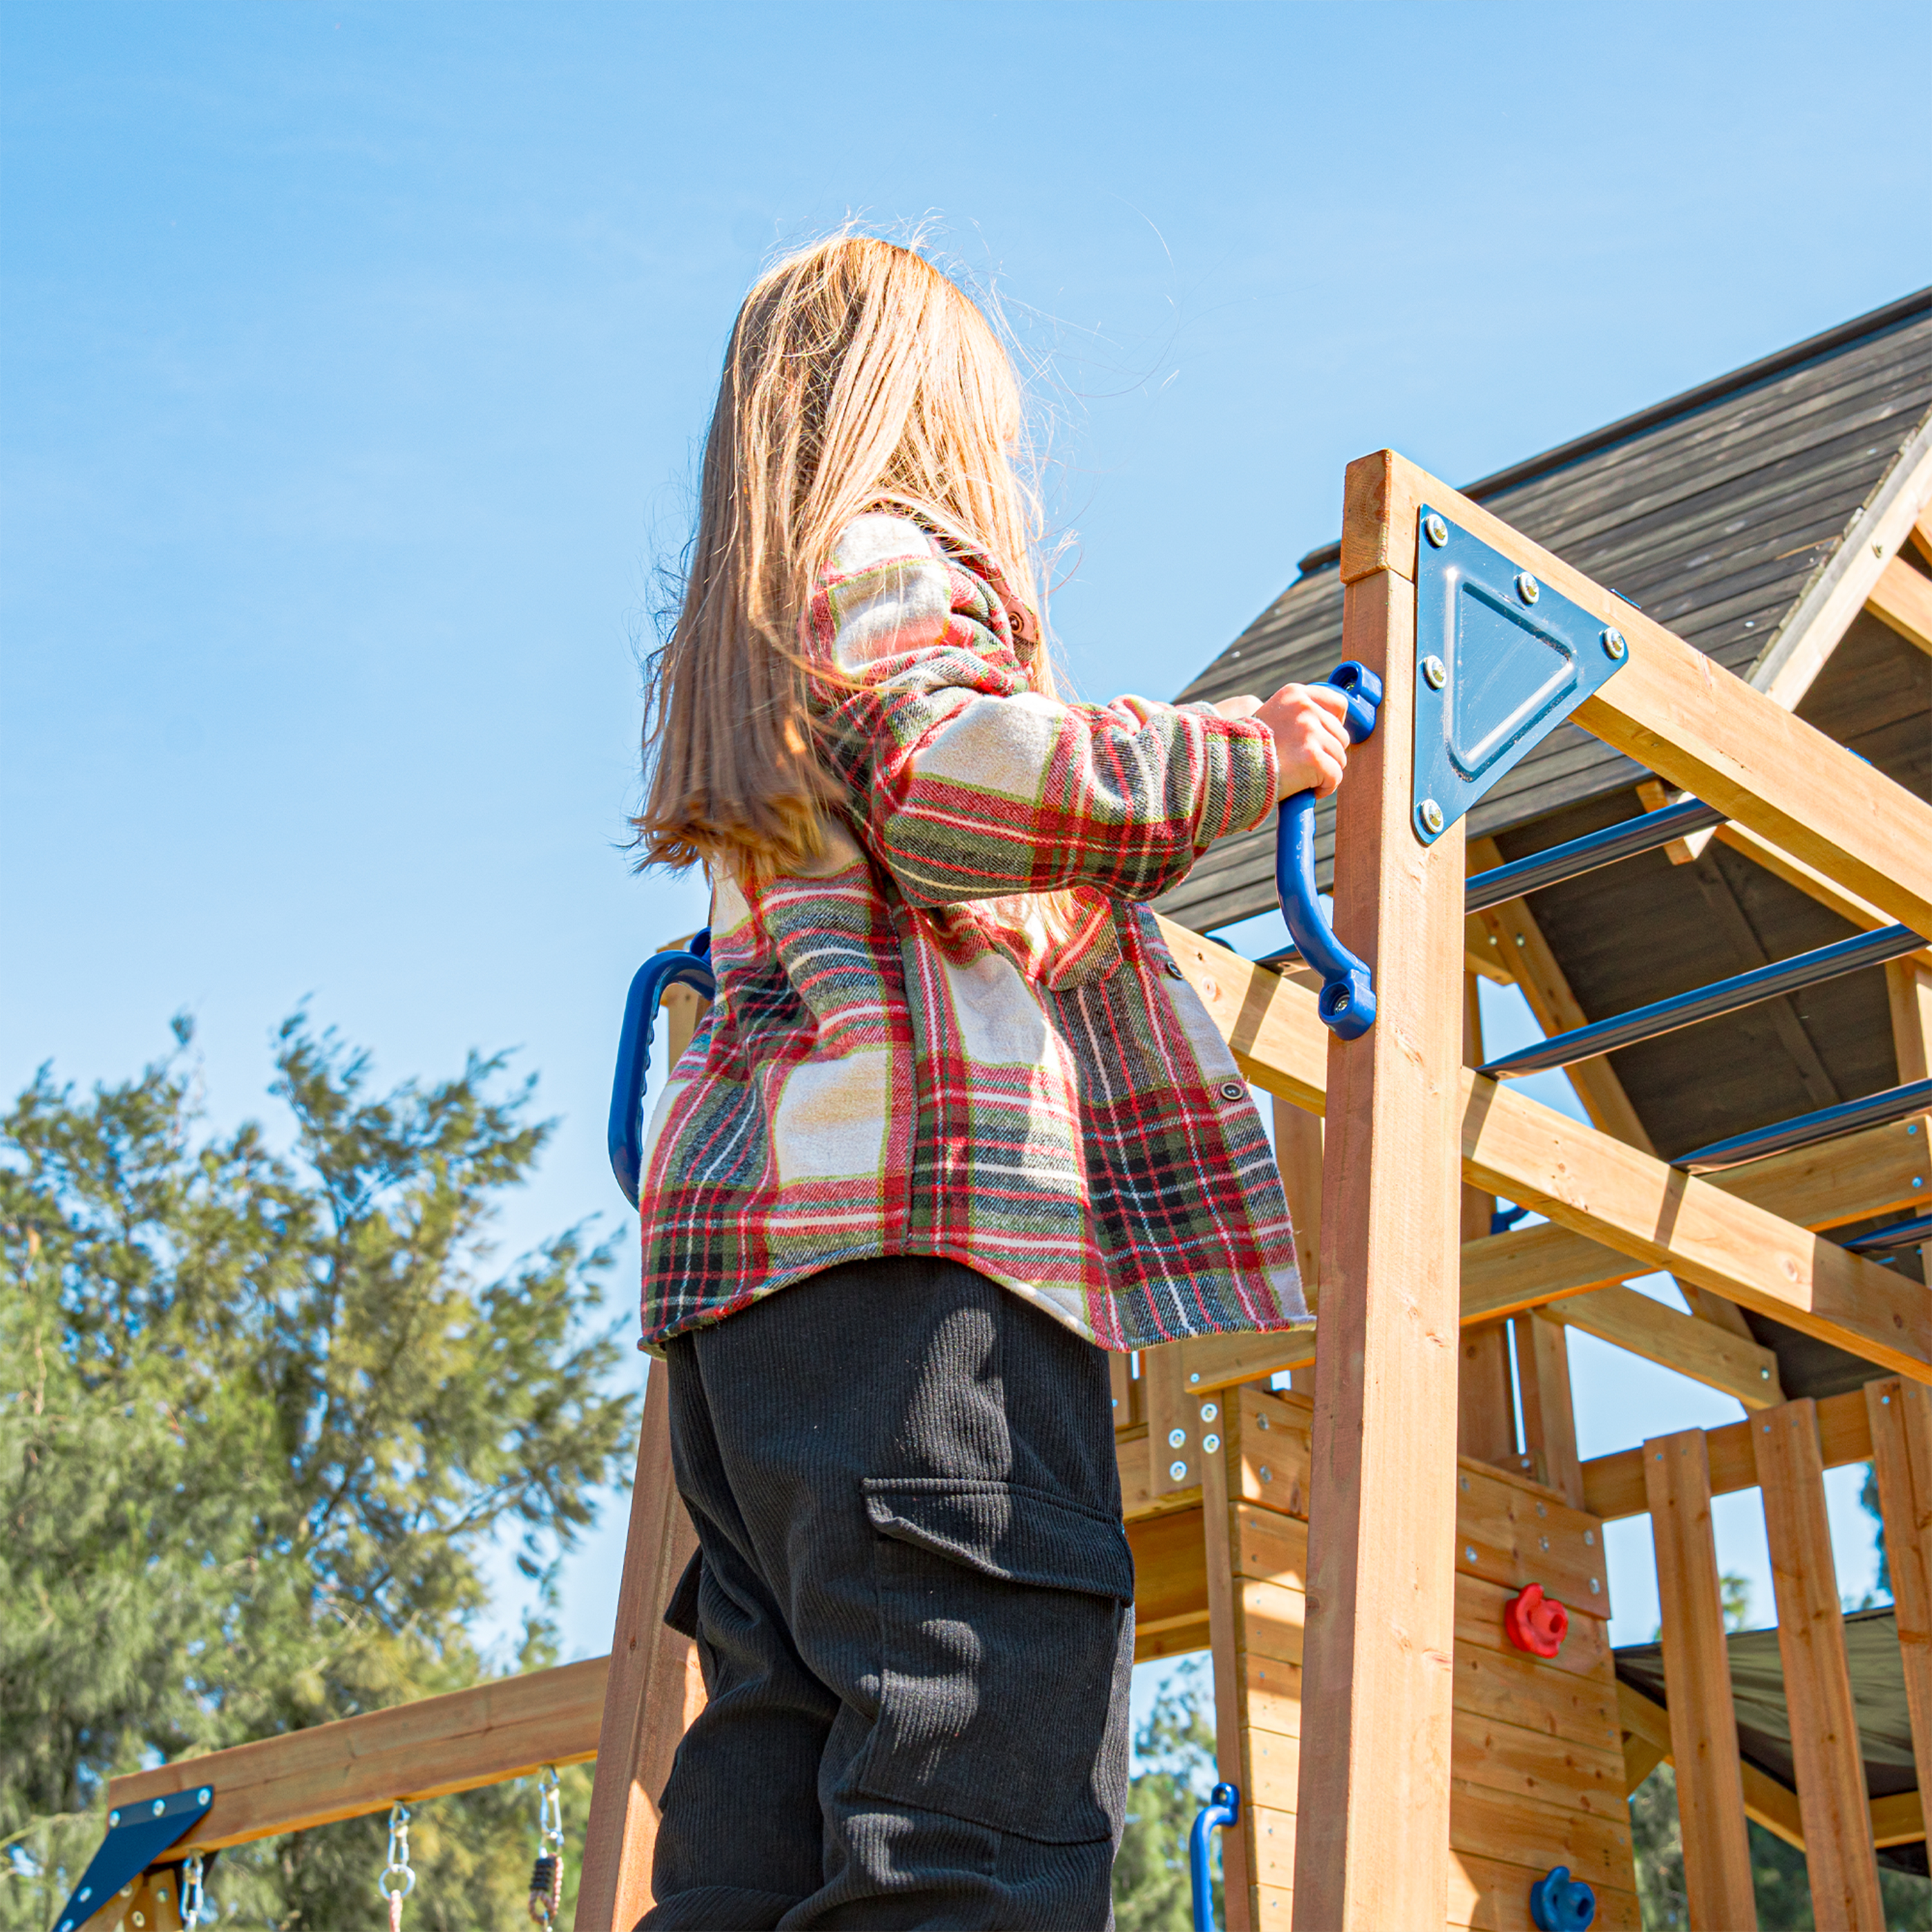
{"points": [[1713, 518], [1537, 1767]]}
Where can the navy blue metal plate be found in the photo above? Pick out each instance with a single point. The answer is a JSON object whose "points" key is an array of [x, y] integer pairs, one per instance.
{"points": [[137, 1835], [1501, 661]]}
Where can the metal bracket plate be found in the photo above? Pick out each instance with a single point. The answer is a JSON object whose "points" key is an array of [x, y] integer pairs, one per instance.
{"points": [[137, 1835], [1501, 661]]}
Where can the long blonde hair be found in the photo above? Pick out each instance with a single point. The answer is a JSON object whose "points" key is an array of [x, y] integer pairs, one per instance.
{"points": [[858, 376]]}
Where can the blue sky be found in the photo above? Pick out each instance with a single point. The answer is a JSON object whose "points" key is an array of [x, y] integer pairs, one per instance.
{"points": [[356, 355]]}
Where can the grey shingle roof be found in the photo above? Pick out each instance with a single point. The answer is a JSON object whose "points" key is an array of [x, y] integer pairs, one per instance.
{"points": [[1713, 510]]}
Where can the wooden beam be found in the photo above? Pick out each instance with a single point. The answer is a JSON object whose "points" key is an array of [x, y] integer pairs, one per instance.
{"points": [[1381, 1589], [1697, 1679], [1901, 599], [655, 1689], [1921, 535], [1684, 717], [1839, 1858], [1231, 1703], [1633, 1322], [1900, 1416], [1614, 1485], [1630, 1201], [1549, 1421], [1485, 1402], [511, 1727], [1908, 993], [1173, 1460], [1298, 1152]]}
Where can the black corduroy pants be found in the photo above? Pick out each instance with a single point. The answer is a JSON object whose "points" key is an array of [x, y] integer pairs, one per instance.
{"points": [[914, 1605]]}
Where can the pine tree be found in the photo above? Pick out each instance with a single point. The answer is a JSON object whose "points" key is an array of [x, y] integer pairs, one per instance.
{"points": [[1176, 1745], [260, 1415]]}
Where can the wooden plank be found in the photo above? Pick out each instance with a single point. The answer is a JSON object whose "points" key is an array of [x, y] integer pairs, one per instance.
{"points": [[1921, 535], [655, 1688], [1543, 1383], [1647, 1726], [1901, 599], [1232, 1746], [1651, 1212], [1525, 1763], [1509, 1533], [1899, 1819], [1684, 717], [1485, 1400], [1512, 1688], [1173, 1461], [1485, 1823], [1702, 1350], [1170, 1571], [1479, 1605], [1137, 1497], [1380, 1594], [1838, 1855], [1697, 1675], [1298, 1152], [1899, 1414], [1614, 1485], [511, 1727]]}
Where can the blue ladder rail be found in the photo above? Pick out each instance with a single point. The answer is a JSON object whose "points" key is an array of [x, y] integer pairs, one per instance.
{"points": [[1901, 1234], [1704, 1003], [1875, 1110], [1578, 856]]}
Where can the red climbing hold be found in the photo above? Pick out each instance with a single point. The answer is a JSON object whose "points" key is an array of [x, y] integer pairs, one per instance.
{"points": [[1534, 1622]]}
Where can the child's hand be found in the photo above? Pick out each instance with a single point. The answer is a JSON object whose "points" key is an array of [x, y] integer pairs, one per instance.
{"points": [[1310, 742]]}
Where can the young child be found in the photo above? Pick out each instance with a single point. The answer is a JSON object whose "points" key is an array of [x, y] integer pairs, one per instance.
{"points": [[956, 1126]]}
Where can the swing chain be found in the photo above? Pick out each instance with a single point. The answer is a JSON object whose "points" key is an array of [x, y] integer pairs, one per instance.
{"points": [[192, 1874], [398, 1878], [547, 1874]]}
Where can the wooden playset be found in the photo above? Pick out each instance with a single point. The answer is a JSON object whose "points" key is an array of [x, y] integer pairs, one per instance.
{"points": [[1385, 1535]]}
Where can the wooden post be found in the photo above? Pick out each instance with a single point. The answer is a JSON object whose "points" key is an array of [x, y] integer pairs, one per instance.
{"points": [[655, 1688], [1298, 1152], [1838, 1856], [1901, 1441], [1549, 1423], [1485, 1404], [1230, 1666], [1173, 1436], [1372, 1831], [653, 1693], [1697, 1681], [1909, 987]]}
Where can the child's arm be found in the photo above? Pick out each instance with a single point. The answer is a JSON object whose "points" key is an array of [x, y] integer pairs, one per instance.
{"points": [[973, 787]]}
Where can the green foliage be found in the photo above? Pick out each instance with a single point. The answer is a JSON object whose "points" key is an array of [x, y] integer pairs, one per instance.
{"points": [[1176, 1743], [1777, 1872], [261, 1416]]}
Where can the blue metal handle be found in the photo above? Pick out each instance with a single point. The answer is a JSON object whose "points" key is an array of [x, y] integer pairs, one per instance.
{"points": [[1223, 1807], [625, 1135], [1348, 1001]]}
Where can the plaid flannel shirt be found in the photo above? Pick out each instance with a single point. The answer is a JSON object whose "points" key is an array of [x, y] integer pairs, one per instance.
{"points": [[962, 1035]]}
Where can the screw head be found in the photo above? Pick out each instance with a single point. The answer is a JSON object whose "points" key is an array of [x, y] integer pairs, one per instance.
{"points": [[1469, 1551], [1428, 815], [204, 1796], [1435, 529], [1209, 1410], [1435, 673], [1176, 1472], [1614, 646], [160, 1805], [1527, 587], [1177, 1439], [1210, 1443], [1267, 1475], [113, 1817]]}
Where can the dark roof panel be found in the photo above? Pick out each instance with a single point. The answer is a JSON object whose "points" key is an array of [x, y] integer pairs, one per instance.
{"points": [[1713, 511]]}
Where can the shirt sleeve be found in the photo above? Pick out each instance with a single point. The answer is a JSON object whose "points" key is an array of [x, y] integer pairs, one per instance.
{"points": [[967, 784]]}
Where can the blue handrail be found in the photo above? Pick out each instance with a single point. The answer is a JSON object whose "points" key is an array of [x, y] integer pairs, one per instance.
{"points": [[1223, 1807], [1348, 1001], [625, 1135], [1848, 1116], [1911, 1233]]}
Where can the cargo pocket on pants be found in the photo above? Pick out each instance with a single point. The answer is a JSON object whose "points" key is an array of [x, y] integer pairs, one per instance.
{"points": [[1003, 1615]]}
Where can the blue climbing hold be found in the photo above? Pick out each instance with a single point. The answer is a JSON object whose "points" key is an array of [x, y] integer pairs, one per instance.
{"points": [[1558, 1902]]}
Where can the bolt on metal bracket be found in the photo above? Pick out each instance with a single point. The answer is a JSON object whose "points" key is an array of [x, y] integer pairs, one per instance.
{"points": [[1501, 660]]}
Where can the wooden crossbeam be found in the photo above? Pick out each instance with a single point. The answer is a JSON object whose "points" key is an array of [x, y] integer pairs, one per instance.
{"points": [[1682, 716], [511, 1727], [1613, 1485], [1901, 599], [1639, 1326], [1900, 1414]]}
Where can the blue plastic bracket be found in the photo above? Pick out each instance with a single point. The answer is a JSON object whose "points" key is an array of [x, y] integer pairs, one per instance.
{"points": [[1501, 661], [1558, 1902], [137, 1835], [626, 1134], [1348, 1001], [1223, 1807]]}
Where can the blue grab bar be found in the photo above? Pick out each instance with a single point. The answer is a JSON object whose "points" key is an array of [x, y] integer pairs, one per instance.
{"points": [[626, 1134], [1222, 1807], [1348, 1001]]}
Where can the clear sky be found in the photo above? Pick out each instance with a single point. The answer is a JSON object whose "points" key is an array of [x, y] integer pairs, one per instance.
{"points": [[356, 355]]}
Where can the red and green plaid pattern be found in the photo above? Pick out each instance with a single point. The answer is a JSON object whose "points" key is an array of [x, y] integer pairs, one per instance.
{"points": [[914, 1052]]}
